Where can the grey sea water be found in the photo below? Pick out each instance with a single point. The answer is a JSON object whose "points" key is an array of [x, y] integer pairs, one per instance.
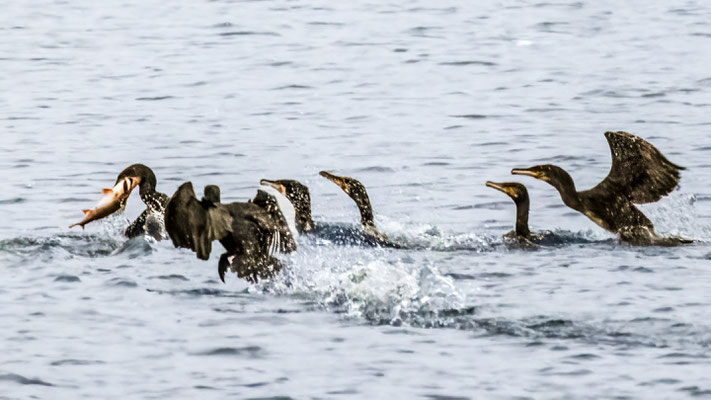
{"points": [[423, 102]]}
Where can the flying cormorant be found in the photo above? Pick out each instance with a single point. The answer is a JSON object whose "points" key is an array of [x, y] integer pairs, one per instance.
{"points": [[251, 232], [639, 174]]}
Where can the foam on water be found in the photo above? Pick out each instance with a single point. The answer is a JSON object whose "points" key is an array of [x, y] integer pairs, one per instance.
{"points": [[380, 287]]}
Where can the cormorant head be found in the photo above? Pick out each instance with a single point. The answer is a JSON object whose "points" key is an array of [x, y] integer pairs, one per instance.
{"points": [[552, 174], [352, 187], [515, 190], [356, 191], [299, 196], [211, 194], [519, 194], [145, 177]]}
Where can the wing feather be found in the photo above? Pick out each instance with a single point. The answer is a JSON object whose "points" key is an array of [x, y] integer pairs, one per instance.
{"points": [[639, 170], [193, 224]]}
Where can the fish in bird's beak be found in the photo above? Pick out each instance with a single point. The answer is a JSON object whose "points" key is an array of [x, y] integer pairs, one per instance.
{"points": [[338, 180], [114, 199], [278, 186]]}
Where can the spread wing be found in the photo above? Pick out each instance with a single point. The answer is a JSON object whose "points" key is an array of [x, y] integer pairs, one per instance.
{"points": [[276, 231], [193, 224], [639, 170]]}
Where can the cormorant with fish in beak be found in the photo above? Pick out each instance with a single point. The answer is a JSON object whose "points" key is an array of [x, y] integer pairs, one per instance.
{"points": [[151, 219]]}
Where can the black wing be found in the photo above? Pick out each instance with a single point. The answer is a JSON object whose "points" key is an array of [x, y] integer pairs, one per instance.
{"points": [[275, 230], [639, 170], [193, 224]]}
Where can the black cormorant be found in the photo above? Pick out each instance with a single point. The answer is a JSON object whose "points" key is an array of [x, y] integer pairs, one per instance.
{"points": [[356, 191], [151, 219], [519, 195], [251, 233], [639, 174], [298, 194]]}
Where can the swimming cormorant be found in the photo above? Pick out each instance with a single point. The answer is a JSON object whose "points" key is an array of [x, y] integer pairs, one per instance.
{"points": [[250, 233], [356, 191], [519, 195], [151, 219], [639, 174], [298, 194]]}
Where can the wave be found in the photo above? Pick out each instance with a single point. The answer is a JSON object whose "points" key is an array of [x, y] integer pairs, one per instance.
{"points": [[676, 215]]}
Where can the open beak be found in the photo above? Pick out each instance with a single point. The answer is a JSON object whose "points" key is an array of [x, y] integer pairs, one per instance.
{"points": [[278, 186], [126, 187], [527, 172], [335, 179], [133, 183]]}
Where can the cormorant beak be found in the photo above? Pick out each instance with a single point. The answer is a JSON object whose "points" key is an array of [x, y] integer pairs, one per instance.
{"points": [[498, 187], [278, 186], [338, 180], [528, 172]]}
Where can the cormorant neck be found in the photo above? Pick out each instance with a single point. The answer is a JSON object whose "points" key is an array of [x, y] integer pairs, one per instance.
{"points": [[303, 217], [366, 212], [566, 187], [149, 196], [522, 218]]}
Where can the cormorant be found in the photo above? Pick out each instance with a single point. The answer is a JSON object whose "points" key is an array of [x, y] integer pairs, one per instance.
{"points": [[519, 195], [251, 233], [298, 194], [356, 191], [639, 174], [151, 219]]}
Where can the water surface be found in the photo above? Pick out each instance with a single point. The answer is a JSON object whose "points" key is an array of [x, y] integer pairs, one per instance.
{"points": [[421, 101]]}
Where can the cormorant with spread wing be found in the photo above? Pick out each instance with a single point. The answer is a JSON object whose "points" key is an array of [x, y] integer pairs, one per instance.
{"points": [[639, 174], [251, 232]]}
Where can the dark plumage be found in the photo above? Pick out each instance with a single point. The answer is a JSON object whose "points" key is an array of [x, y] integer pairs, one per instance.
{"points": [[250, 234], [639, 174], [298, 194], [150, 220], [356, 191], [519, 195]]}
